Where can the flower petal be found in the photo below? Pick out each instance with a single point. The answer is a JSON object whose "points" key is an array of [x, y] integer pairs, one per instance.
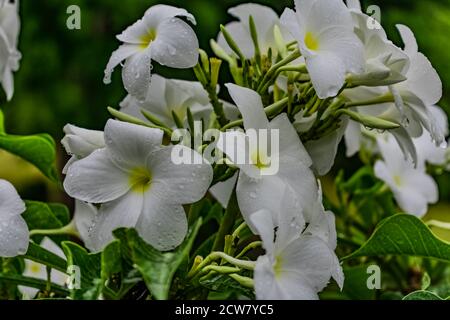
{"points": [[10, 202], [129, 144], [84, 217], [327, 73], [14, 236], [290, 146], [250, 105], [176, 45], [222, 191], [122, 53], [324, 150], [136, 73], [96, 179], [121, 213], [175, 181], [162, 225], [262, 221]]}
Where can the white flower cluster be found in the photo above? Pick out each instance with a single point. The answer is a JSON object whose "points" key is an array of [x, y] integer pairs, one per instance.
{"points": [[345, 76], [350, 66]]}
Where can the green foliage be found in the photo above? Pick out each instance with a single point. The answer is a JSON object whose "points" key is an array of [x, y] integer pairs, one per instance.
{"points": [[157, 268], [403, 235], [422, 295], [37, 149], [40, 255]]}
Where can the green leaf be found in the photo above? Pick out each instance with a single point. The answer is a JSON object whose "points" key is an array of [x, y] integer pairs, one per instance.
{"points": [[90, 268], [403, 234], [37, 149], [33, 283], [422, 295], [355, 286], [40, 255], [157, 268], [41, 215]]}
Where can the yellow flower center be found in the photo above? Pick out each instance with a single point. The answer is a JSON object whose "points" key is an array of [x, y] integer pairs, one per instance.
{"points": [[278, 266], [260, 159], [311, 42], [147, 38], [140, 180], [35, 268]]}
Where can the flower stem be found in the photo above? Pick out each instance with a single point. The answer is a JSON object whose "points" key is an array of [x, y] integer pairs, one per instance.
{"points": [[69, 229], [249, 247], [244, 281]]}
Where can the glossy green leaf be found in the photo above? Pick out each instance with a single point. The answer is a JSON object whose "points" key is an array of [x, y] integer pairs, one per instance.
{"points": [[403, 234], [422, 295], [157, 268], [37, 149], [41, 215], [90, 270], [33, 283], [40, 255]]}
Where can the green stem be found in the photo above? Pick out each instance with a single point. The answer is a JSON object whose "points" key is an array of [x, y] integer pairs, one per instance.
{"points": [[130, 119], [270, 111], [249, 247], [244, 281], [227, 222], [272, 71], [69, 229], [381, 99]]}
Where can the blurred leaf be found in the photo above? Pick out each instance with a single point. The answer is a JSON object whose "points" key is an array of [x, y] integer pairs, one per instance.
{"points": [[40, 255], [403, 234], [90, 268], [422, 295], [37, 149], [157, 268]]}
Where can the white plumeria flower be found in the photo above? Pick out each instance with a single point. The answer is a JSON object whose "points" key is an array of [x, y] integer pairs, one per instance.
{"points": [[385, 63], [421, 90], [171, 95], [298, 263], [355, 132], [427, 151], [158, 36], [259, 186], [14, 233], [324, 32], [413, 189], [79, 142], [265, 20], [138, 185], [9, 55], [39, 271], [83, 219]]}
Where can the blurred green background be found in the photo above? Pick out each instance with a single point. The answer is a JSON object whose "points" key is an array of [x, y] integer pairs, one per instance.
{"points": [[60, 79]]}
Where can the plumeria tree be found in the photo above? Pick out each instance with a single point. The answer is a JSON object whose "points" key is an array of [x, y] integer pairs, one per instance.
{"points": [[206, 190]]}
